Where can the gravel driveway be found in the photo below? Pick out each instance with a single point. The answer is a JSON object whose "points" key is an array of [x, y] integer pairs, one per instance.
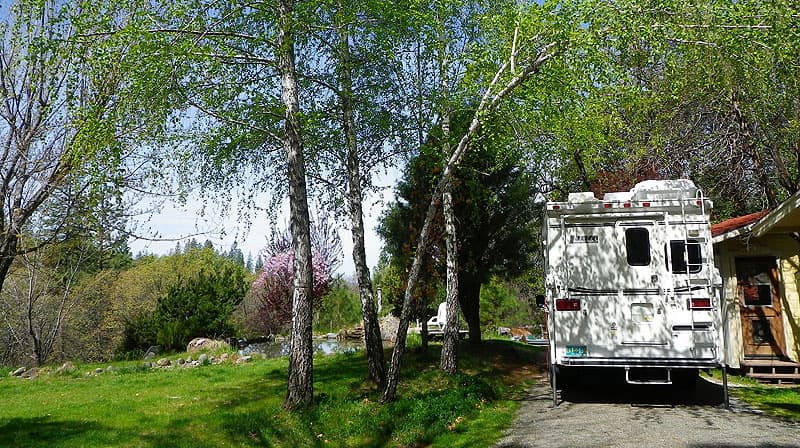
{"points": [[609, 414]]}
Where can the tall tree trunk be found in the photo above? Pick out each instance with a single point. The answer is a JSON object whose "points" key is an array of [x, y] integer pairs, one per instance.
{"points": [[372, 331], [449, 358], [301, 379], [469, 299], [393, 374]]}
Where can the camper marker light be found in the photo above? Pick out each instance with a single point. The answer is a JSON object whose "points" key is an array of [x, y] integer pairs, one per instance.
{"points": [[698, 303], [607, 205], [556, 207], [645, 204], [627, 205], [568, 305]]}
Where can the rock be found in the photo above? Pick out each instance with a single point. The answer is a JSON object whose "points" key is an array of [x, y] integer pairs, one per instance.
{"points": [[189, 359], [198, 344], [98, 370], [149, 365], [30, 374], [330, 336], [151, 352], [351, 333], [389, 325], [18, 372], [202, 358], [224, 357], [163, 362], [110, 369], [181, 361], [244, 359], [67, 367], [504, 331]]}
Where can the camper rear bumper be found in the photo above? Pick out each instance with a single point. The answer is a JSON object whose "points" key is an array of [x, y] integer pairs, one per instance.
{"points": [[640, 362]]}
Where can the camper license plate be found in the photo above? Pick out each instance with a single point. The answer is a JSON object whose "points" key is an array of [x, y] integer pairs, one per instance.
{"points": [[575, 351]]}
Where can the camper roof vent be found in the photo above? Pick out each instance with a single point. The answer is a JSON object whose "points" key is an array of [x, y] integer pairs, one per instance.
{"points": [[664, 190], [582, 197]]}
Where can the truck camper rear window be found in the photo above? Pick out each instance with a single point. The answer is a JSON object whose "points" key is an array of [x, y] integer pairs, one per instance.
{"points": [[637, 246], [680, 251]]}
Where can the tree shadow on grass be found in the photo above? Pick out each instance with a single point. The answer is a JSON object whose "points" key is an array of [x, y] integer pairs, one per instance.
{"points": [[42, 431]]}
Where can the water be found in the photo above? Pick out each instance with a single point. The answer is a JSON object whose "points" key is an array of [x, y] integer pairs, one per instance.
{"points": [[323, 346]]}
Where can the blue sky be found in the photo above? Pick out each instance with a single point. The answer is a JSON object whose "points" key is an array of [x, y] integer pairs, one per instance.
{"points": [[175, 223]]}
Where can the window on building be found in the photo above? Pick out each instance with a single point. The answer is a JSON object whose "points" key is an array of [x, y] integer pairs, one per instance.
{"points": [[757, 280]]}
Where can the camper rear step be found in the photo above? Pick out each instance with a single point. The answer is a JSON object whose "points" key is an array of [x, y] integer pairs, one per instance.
{"points": [[772, 371]]}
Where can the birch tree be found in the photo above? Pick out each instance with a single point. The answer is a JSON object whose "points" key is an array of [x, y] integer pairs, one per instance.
{"points": [[522, 60]]}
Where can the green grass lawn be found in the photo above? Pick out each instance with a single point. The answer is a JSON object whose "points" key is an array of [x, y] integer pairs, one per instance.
{"points": [[778, 401], [240, 405]]}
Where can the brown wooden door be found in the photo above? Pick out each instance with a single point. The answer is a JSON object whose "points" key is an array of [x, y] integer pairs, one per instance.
{"points": [[759, 297]]}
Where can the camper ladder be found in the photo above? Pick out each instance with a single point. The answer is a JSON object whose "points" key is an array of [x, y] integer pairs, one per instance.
{"points": [[706, 277]]}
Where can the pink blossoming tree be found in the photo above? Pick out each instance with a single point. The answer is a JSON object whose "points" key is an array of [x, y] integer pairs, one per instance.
{"points": [[273, 291]]}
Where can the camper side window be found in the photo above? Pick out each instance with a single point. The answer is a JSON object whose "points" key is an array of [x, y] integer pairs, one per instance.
{"points": [[680, 252], [637, 246]]}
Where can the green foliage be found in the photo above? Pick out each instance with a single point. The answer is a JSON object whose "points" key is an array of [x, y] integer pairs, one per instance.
{"points": [[502, 306], [340, 308], [496, 216], [202, 306], [116, 310]]}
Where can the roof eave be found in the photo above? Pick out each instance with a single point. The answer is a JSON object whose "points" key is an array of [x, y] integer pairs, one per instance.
{"points": [[734, 233], [775, 216]]}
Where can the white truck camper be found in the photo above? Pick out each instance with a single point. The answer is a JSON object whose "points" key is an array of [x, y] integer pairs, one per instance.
{"points": [[631, 285]]}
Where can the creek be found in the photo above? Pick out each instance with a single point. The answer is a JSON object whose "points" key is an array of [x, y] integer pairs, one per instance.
{"points": [[281, 348]]}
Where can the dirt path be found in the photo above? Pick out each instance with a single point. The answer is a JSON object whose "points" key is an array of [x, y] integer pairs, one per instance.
{"points": [[619, 415]]}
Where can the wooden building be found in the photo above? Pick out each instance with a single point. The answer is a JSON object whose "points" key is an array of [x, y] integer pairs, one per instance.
{"points": [[758, 256]]}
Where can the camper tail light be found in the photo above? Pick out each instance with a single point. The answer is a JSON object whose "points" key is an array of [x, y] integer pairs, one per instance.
{"points": [[699, 304], [568, 305]]}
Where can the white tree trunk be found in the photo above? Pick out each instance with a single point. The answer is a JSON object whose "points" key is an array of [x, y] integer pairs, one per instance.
{"points": [[301, 379]]}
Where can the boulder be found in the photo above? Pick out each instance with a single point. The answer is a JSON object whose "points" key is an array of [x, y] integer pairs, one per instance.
{"points": [[163, 362], [202, 358], [151, 352], [98, 370], [198, 344], [244, 359], [30, 374], [110, 369], [330, 336], [351, 333], [181, 361], [18, 372], [67, 367], [389, 325]]}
